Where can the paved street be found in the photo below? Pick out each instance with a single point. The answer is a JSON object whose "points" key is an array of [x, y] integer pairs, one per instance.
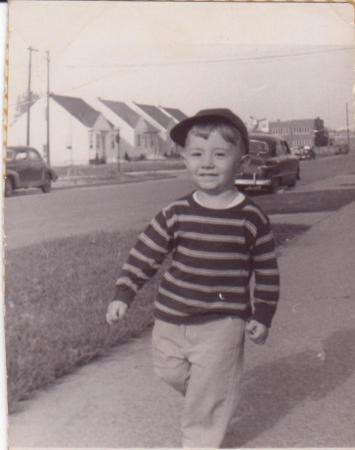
{"points": [[35, 218], [298, 389], [32, 217]]}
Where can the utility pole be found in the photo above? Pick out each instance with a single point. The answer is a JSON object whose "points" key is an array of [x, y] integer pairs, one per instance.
{"points": [[29, 94], [47, 111], [347, 127]]}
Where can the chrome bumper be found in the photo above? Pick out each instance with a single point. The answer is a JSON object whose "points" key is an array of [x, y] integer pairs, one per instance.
{"points": [[252, 182]]}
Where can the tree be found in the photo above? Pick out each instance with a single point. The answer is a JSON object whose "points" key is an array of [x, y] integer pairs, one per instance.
{"points": [[23, 103], [321, 134], [321, 137]]}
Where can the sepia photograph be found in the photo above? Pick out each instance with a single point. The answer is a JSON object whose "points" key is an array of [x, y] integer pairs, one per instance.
{"points": [[178, 224]]}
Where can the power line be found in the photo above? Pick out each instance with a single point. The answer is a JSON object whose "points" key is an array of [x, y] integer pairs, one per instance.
{"points": [[74, 37], [211, 61], [119, 66]]}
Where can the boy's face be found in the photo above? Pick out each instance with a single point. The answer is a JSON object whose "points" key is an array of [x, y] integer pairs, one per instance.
{"points": [[212, 162]]}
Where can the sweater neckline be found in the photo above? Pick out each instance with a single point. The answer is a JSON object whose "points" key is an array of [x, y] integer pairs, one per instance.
{"points": [[198, 205]]}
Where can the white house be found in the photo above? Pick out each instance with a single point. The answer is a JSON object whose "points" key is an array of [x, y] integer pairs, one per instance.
{"points": [[161, 120], [138, 137], [79, 134]]}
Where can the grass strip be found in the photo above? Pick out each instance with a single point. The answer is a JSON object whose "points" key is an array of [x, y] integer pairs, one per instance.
{"points": [[305, 202], [56, 297]]}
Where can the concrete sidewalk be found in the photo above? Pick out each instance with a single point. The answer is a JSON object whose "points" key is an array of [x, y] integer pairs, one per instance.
{"points": [[298, 389]]}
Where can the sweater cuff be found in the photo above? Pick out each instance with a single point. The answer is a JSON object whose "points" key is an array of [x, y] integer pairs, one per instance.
{"points": [[124, 294], [264, 314]]}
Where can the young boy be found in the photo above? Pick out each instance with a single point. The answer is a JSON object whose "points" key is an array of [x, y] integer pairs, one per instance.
{"points": [[218, 239]]}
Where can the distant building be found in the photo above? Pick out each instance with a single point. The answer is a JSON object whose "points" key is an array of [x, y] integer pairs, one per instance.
{"points": [[299, 133], [138, 137], [79, 134], [163, 121]]}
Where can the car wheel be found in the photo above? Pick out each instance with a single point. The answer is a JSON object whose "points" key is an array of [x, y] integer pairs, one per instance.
{"points": [[47, 185], [9, 187], [275, 185], [293, 182]]}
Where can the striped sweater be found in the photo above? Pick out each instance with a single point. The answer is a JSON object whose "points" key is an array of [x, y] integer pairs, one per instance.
{"points": [[214, 254]]}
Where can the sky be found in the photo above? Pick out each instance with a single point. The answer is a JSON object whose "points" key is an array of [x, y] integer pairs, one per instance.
{"points": [[278, 61]]}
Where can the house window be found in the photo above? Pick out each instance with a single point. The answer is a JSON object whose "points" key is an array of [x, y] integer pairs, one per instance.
{"points": [[138, 140], [91, 141], [97, 141], [112, 141]]}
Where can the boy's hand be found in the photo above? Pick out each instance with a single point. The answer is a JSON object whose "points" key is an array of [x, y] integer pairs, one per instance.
{"points": [[115, 311], [256, 331]]}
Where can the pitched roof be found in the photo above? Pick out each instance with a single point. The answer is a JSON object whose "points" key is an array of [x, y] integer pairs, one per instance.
{"points": [[156, 114], [78, 108], [176, 113], [126, 113], [123, 111]]}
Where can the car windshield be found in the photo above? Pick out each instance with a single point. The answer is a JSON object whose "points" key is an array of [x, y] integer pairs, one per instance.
{"points": [[258, 148]]}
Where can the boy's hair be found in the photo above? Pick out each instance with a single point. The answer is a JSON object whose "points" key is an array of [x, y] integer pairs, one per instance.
{"points": [[229, 133]]}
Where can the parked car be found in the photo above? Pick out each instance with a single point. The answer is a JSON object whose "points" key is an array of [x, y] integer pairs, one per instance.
{"points": [[26, 168], [305, 153], [270, 164]]}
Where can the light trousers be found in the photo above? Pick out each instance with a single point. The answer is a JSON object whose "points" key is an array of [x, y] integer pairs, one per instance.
{"points": [[204, 362]]}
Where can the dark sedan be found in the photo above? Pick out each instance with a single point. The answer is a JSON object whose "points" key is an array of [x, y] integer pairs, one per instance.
{"points": [[25, 168], [270, 164]]}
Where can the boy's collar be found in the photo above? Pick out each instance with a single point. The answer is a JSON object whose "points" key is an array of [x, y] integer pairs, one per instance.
{"points": [[239, 197]]}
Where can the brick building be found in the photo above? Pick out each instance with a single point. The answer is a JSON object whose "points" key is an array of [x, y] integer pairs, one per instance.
{"points": [[298, 133]]}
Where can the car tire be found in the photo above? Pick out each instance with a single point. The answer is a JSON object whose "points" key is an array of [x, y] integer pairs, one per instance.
{"points": [[293, 182], [275, 185], [47, 185], [9, 187]]}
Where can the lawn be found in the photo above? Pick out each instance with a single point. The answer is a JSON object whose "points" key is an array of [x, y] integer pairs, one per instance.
{"points": [[109, 171], [56, 297], [305, 202]]}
